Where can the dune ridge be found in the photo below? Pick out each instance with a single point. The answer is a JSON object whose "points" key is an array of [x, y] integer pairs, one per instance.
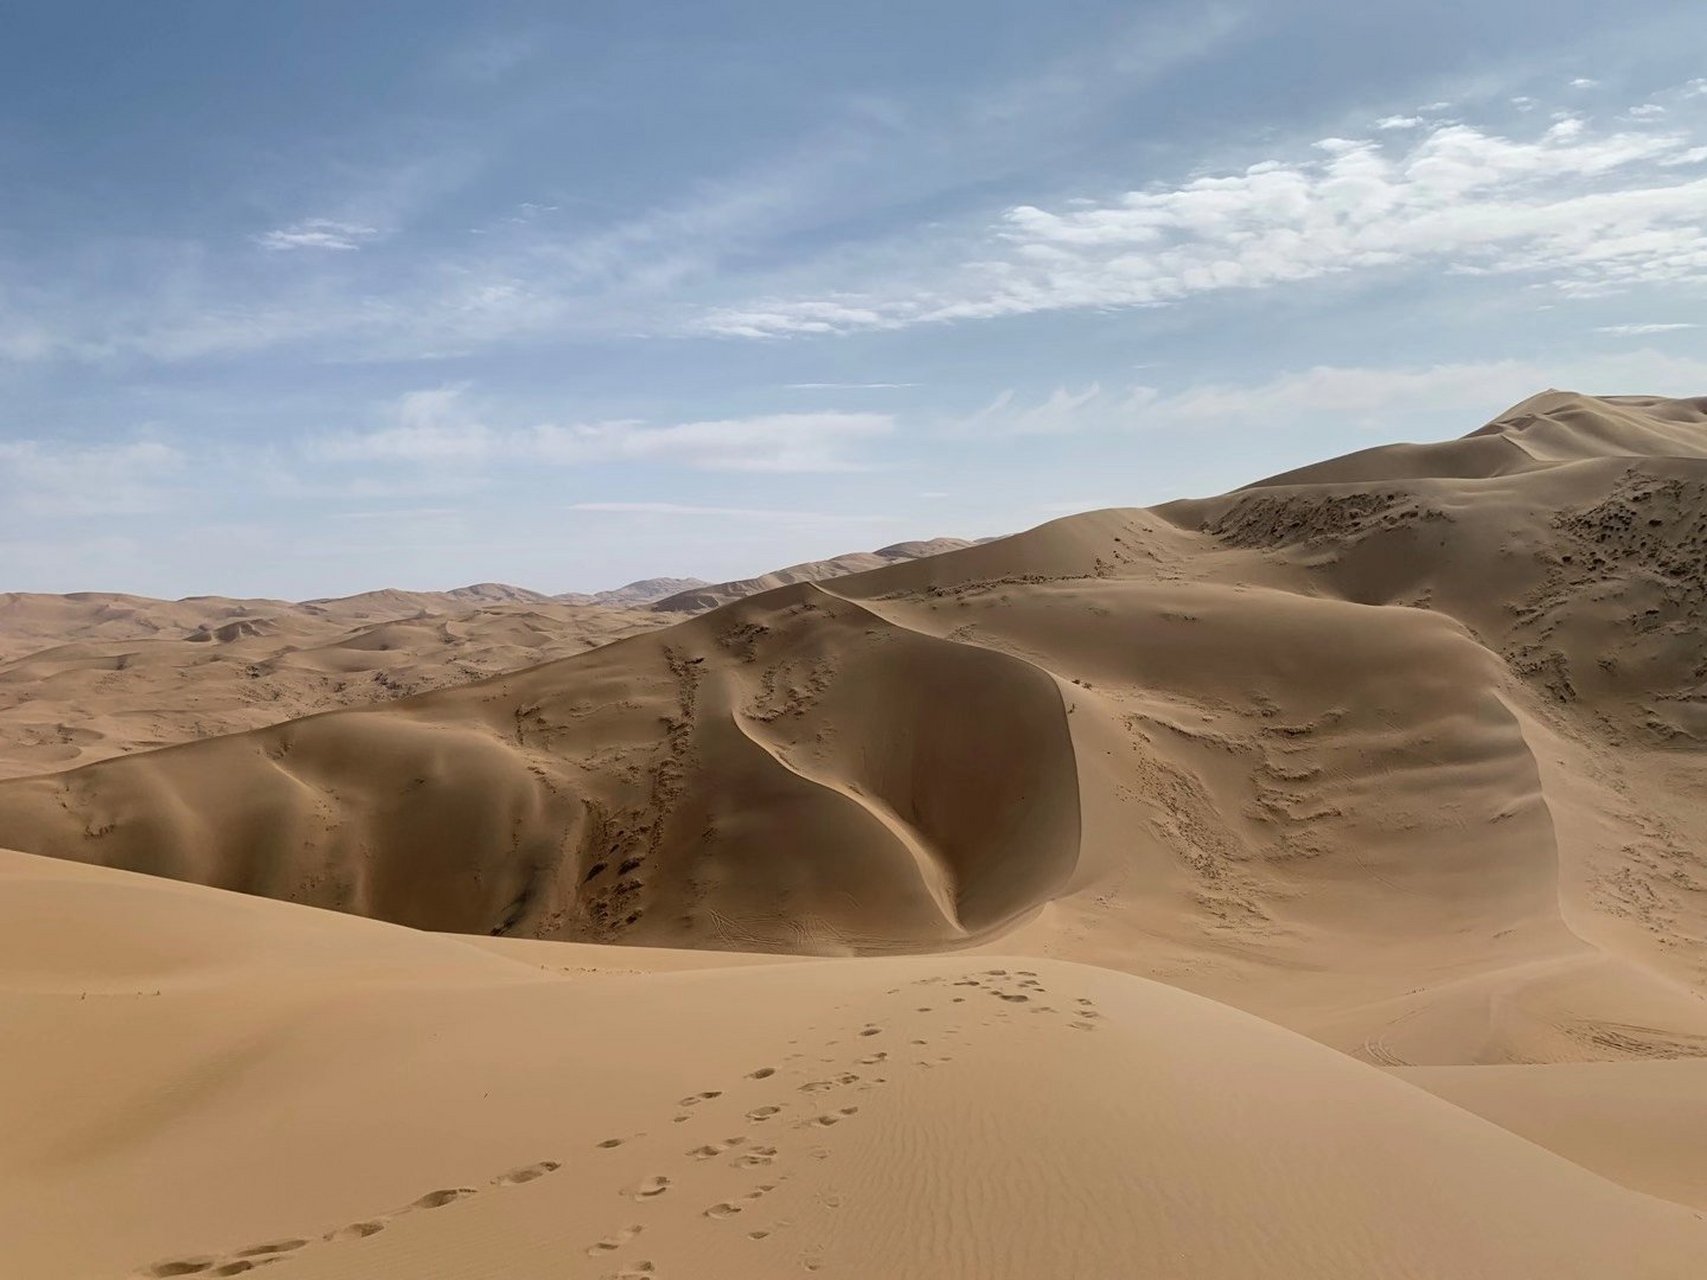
{"points": [[1429, 714]]}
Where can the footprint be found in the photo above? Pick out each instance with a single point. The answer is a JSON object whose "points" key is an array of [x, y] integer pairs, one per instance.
{"points": [[873, 1060], [872, 1031], [656, 1185], [613, 1242], [181, 1267], [755, 1158], [642, 1270], [724, 1210], [526, 1174], [757, 1235], [357, 1231], [1083, 1026], [608, 1143], [712, 1149], [760, 1114], [438, 1199], [267, 1250], [763, 1073], [237, 1268], [693, 1100]]}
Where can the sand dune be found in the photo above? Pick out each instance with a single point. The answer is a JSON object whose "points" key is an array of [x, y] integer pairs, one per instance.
{"points": [[91, 675], [1402, 752], [83, 678], [703, 595], [919, 1116], [1407, 763]]}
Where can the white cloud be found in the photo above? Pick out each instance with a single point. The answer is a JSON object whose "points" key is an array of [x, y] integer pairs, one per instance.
{"points": [[1062, 412], [317, 233], [779, 442], [1400, 122], [1646, 111], [729, 513], [46, 478], [849, 386], [1636, 330], [441, 427], [1372, 394], [1585, 211], [1584, 82]]}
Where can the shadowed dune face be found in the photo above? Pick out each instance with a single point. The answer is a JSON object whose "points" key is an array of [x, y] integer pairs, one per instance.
{"points": [[1428, 718]]}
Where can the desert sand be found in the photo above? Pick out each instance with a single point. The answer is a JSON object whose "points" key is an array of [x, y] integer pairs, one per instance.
{"points": [[88, 676], [1306, 881]]}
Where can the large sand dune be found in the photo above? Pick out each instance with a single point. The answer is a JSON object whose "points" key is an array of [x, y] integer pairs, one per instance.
{"points": [[337, 1099], [1403, 752]]}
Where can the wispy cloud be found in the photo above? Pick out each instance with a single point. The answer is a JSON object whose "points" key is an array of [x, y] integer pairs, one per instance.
{"points": [[443, 427], [1638, 330], [1587, 211], [50, 479], [689, 511], [849, 386], [317, 233], [1472, 390]]}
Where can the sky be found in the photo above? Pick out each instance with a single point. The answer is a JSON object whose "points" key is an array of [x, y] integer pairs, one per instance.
{"points": [[308, 298]]}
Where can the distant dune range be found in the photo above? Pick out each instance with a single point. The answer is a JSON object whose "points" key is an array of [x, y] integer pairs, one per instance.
{"points": [[1403, 750], [97, 674]]}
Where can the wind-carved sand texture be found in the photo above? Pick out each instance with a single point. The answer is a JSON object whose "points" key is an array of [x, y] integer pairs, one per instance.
{"points": [[1307, 881]]}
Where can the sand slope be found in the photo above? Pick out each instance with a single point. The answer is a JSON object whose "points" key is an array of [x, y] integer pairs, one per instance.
{"points": [[219, 1083], [1402, 751]]}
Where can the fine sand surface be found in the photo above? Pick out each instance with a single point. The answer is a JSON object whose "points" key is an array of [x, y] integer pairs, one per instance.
{"points": [[219, 1083], [1363, 806]]}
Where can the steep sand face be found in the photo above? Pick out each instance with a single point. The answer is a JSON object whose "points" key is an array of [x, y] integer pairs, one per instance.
{"points": [[1403, 751], [218, 1083]]}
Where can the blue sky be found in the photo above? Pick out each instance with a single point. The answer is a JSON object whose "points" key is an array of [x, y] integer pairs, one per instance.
{"points": [[307, 298]]}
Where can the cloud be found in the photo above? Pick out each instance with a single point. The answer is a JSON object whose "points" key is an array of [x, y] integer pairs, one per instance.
{"points": [[726, 513], [442, 427], [1061, 413], [848, 386], [317, 233], [778, 442], [1375, 395], [1588, 212], [48, 479], [1400, 122], [1584, 82], [1646, 111], [1636, 330]]}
